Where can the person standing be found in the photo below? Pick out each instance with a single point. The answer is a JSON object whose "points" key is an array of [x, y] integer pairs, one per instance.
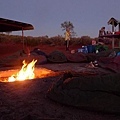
{"points": [[67, 39]]}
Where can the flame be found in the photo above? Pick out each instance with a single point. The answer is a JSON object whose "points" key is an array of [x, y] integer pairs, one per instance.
{"points": [[26, 72]]}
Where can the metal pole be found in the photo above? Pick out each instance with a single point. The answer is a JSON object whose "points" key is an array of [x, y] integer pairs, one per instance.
{"points": [[23, 38], [119, 27], [112, 26], [113, 42]]}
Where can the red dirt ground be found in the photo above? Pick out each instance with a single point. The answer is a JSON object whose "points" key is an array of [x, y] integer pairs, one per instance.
{"points": [[21, 101], [8, 49]]}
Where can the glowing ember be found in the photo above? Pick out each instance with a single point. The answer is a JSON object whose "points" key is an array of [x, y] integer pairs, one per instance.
{"points": [[26, 72]]}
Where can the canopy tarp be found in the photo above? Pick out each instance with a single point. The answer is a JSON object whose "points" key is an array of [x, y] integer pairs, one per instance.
{"points": [[7, 25]]}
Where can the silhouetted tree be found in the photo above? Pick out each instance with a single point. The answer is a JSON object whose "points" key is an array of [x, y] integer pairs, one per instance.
{"points": [[68, 25]]}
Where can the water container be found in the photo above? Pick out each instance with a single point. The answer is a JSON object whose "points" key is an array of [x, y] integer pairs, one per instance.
{"points": [[91, 48], [85, 49]]}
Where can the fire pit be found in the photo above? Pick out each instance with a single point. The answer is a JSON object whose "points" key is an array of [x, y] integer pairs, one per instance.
{"points": [[27, 72]]}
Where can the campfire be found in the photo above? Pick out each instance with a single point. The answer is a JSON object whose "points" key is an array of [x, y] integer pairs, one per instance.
{"points": [[27, 72]]}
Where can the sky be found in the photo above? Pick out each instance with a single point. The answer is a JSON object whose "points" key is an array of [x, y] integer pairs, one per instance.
{"points": [[87, 16]]}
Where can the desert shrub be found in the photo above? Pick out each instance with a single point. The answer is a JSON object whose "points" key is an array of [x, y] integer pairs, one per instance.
{"points": [[75, 41], [31, 41], [4, 38], [44, 40], [57, 40], [16, 38], [86, 40]]}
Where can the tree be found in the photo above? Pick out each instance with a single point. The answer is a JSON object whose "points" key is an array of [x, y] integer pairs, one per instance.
{"points": [[68, 25]]}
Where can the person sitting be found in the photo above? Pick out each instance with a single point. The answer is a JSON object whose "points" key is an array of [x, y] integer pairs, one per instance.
{"points": [[101, 33]]}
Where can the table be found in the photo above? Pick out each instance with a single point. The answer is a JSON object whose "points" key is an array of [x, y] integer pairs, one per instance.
{"points": [[113, 36]]}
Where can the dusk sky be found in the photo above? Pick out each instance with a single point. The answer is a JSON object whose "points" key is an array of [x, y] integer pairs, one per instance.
{"points": [[87, 16]]}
